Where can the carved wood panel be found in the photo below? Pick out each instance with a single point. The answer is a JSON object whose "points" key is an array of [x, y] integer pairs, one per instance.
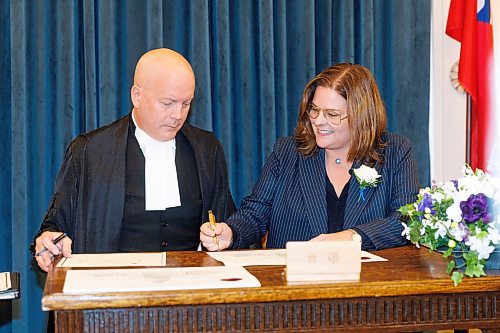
{"points": [[391, 313]]}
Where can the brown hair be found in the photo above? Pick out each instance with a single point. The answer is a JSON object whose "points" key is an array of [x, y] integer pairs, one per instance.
{"points": [[366, 111]]}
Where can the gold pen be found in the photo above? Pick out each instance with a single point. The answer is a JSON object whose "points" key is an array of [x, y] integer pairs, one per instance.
{"points": [[211, 218]]}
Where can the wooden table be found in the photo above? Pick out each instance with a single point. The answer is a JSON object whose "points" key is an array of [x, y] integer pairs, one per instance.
{"points": [[410, 292]]}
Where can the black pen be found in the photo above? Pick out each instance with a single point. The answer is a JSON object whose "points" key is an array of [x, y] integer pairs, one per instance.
{"points": [[55, 241]]}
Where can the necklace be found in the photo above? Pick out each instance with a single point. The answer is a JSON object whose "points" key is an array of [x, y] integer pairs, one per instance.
{"points": [[338, 160]]}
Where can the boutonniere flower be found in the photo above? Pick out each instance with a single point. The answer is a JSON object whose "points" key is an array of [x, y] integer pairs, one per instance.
{"points": [[367, 177]]}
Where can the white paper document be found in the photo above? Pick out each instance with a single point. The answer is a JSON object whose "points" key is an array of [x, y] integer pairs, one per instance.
{"points": [[9, 285], [370, 257], [157, 279], [5, 283], [251, 258], [149, 259], [268, 257]]}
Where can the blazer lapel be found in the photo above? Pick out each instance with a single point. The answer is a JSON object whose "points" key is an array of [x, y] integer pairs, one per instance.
{"points": [[312, 182], [355, 203]]}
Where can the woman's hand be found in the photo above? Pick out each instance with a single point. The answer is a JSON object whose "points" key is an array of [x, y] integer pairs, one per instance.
{"points": [[218, 239], [345, 235]]}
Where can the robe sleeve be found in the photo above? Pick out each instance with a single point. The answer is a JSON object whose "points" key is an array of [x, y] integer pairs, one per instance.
{"points": [[60, 215]]}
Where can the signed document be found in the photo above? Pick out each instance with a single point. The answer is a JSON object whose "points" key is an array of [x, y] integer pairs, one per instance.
{"points": [[250, 258], [149, 259], [157, 279], [268, 257]]}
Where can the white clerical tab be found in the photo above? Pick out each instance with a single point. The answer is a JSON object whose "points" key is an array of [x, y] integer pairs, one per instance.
{"points": [[323, 261], [162, 187]]}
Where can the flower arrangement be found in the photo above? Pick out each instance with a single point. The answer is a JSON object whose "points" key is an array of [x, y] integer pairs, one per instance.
{"points": [[367, 177], [457, 217]]}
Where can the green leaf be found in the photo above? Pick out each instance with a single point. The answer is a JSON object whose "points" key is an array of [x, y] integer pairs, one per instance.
{"points": [[457, 278], [414, 235], [474, 266], [451, 265], [406, 209], [474, 269], [431, 245], [447, 253]]}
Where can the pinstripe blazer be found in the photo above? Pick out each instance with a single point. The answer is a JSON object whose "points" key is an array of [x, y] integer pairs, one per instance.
{"points": [[289, 200]]}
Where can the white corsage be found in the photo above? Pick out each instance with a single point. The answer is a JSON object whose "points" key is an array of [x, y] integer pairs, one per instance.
{"points": [[367, 177]]}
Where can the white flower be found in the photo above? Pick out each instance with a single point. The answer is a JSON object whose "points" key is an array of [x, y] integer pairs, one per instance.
{"points": [[466, 170], [426, 222], [493, 235], [495, 184], [470, 185], [406, 231], [442, 228], [422, 191], [481, 246], [449, 189], [496, 223], [457, 234], [366, 176], [478, 182], [438, 197], [454, 212]]}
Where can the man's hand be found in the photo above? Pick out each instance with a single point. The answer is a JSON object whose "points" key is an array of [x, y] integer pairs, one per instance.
{"points": [[46, 240], [218, 239]]}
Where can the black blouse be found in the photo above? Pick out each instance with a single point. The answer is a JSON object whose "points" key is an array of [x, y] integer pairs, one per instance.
{"points": [[335, 210], [336, 206]]}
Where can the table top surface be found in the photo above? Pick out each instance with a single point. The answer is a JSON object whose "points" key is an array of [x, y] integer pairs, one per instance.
{"points": [[408, 271]]}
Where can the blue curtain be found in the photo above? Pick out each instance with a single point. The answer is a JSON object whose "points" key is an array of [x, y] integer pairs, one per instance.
{"points": [[67, 67]]}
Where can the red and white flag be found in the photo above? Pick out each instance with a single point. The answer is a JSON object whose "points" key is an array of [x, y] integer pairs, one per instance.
{"points": [[469, 22]]}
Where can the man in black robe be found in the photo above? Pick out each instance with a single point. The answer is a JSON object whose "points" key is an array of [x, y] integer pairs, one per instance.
{"points": [[115, 192]]}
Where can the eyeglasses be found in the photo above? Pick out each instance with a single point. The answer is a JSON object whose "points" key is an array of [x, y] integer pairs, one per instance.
{"points": [[331, 115]]}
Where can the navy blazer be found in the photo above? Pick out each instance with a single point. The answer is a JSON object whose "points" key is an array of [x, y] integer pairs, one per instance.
{"points": [[289, 200]]}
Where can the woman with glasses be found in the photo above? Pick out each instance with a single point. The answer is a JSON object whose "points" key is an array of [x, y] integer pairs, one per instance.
{"points": [[341, 176]]}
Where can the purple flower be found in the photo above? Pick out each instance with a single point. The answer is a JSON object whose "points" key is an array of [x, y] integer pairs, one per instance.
{"points": [[475, 208], [488, 217], [426, 203], [464, 231], [455, 182]]}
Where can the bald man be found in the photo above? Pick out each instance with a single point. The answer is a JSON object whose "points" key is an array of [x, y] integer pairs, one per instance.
{"points": [[143, 183]]}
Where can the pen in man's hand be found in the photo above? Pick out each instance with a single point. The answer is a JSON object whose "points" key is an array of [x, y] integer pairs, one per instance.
{"points": [[55, 241], [211, 218]]}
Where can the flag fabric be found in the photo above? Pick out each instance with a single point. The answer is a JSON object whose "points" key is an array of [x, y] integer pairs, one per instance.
{"points": [[469, 22]]}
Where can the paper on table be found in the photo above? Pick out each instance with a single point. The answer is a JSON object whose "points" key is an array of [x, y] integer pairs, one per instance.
{"points": [[5, 283], [9, 285], [370, 257], [268, 257], [156, 279], [115, 260], [251, 258]]}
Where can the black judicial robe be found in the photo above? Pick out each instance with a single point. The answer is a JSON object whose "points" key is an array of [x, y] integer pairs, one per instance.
{"points": [[89, 193]]}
